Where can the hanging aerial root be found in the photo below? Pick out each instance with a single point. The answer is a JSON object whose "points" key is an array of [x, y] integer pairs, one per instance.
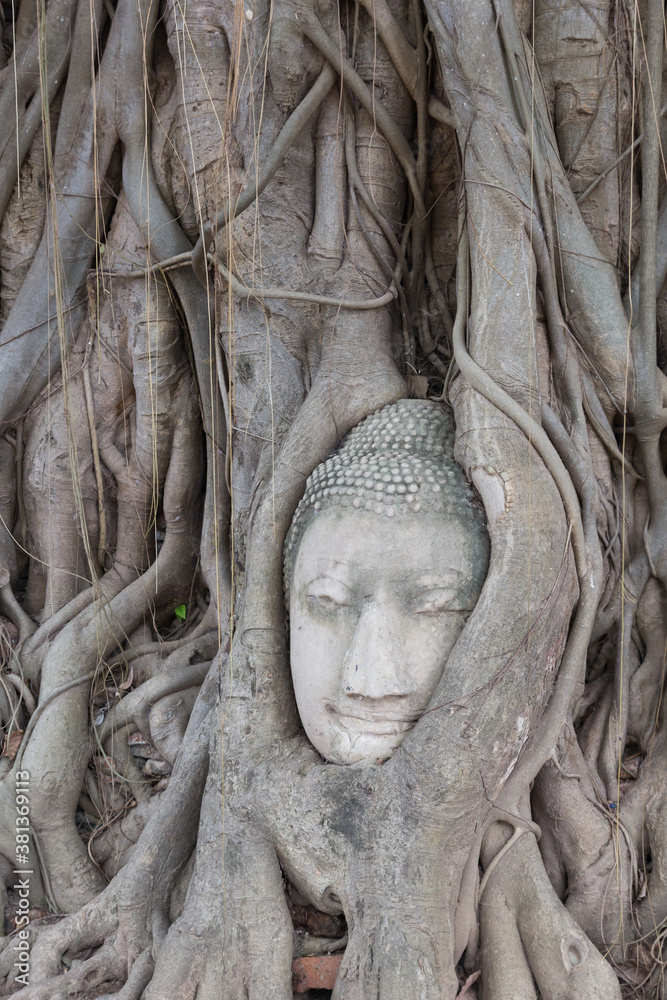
{"points": [[291, 130], [260, 293]]}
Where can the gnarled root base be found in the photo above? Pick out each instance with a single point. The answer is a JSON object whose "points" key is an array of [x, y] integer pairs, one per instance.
{"points": [[527, 935]]}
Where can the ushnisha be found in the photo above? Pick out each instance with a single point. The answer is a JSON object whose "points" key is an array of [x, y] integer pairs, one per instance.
{"points": [[384, 560]]}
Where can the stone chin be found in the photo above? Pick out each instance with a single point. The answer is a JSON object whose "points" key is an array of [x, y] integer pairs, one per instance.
{"points": [[361, 748]]}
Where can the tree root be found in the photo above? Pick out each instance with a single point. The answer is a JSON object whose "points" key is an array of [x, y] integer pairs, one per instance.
{"points": [[296, 123], [128, 918], [526, 932], [588, 854], [644, 813], [104, 967], [137, 980], [135, 707], [260, 293], [294, 380], [59, 778]]}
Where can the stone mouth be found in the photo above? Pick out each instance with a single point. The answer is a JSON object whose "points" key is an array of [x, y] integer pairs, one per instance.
{"points": [[372, 723]]}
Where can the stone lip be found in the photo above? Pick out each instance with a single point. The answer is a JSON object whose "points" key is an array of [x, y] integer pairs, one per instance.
{"points": [[380, 725]]}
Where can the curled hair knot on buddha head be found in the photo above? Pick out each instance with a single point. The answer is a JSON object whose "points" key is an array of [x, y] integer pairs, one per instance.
{"points": [[397, 462]]}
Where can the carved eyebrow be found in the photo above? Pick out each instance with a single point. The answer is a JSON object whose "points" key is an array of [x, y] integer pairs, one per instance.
{"points": [[326, 569], [324, 566], [326, 578]]}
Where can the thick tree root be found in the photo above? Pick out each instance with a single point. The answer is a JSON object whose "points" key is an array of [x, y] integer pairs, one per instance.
{"points": [[645, 816], [584, 849], [527, 933]]}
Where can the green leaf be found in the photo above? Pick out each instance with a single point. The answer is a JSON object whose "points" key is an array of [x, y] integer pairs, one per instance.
{"points": [[181, 611]]}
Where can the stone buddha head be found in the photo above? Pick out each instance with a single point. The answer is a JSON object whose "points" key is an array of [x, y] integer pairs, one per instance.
{"points": [[384, 560]]}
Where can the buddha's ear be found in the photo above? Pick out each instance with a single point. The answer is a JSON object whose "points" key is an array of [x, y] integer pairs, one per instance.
{"points": [[504, 662]]}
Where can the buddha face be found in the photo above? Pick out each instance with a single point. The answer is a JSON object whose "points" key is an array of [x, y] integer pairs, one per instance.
{"points": [[376, 605]]}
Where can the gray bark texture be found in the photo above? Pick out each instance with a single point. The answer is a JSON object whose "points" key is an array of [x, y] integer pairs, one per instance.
{"points": [[229, 232]]}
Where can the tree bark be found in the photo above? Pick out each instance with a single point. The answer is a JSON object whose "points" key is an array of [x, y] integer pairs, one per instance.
{"points": [[228, 234]]}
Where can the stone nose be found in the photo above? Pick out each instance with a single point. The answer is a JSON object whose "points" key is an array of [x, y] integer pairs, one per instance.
{"points": [[375, 665]]}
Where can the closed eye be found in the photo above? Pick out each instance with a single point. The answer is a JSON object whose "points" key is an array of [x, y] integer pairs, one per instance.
{"points": [[326, 600], [435, 601], [328, 594]]}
